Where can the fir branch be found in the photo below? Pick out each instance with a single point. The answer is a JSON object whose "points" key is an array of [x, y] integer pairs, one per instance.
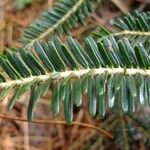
{"points": [[61, 18], [134, 26], [98, 69]]}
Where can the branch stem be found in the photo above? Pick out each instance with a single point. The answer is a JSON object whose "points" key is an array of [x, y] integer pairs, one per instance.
{"points": [[74, 74], [59, 122], [125, 32]]}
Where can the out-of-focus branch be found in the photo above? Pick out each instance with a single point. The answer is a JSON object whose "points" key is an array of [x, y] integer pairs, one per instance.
{"points": [[121, 5]]}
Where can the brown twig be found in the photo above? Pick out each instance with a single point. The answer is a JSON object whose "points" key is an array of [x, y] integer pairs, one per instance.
{"points": [[121, 5], [58, 122]]}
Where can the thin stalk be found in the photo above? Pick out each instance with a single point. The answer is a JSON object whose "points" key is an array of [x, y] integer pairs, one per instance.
{"points": [[125, 32], [58, 122], [74, 74]]}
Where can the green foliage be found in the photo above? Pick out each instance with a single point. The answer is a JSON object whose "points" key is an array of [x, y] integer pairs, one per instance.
{"points": [[102, 70], [134, 26], [113, 72], [60, 19], [136, 21]]}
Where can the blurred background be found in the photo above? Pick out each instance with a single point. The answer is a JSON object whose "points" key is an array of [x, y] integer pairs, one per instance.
{"points": [[15, 16]]}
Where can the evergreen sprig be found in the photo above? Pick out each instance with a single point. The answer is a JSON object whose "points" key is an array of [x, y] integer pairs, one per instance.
{"points": [[60, 19], [134, 26], [101, 70]]}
